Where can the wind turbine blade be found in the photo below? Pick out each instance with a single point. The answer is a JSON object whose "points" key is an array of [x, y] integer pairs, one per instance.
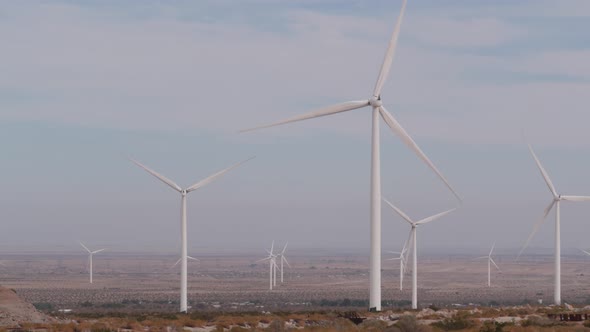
{"points": [[544, 173], [496, 265], [405, 247], [482, 257], [394, 252], [262, 260], [83, 246], [159, 176], [394, 259], [584, 251], [405, 137], [284, 249], [536, 227], [390, 53], [178, 261], [576, 198], [97, 251], [214, 177], [286, 262], [493, 245], [400, 212], [338, 108], [436, 216], [192, 258]]}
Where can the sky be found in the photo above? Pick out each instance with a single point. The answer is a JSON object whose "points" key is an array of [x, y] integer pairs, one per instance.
{"points": [[87, 84]]}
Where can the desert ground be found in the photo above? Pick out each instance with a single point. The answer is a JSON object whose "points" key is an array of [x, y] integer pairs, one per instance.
{"points": [[140, 282]]}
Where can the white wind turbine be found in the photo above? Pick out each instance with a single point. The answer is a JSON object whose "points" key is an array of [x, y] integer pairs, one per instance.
{"points": [[413, 245], [584, 251], [90, 254], [490, 262], [378, 110], [272, 259], [183, 226], [188, 257], [403, 259], [555, 201], [284, 260]]}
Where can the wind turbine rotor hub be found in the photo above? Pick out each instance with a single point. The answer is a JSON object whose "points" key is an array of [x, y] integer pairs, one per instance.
{"points": [[375, 102]]}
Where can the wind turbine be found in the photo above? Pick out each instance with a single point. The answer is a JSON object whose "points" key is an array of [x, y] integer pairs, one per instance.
{"points": [[415, 224], [555, 201], [188, 257], [378, 110], [490, 262], [402, 262], [284, 259], [271, 258], [584, 251], [183, 226], [90, 254]]}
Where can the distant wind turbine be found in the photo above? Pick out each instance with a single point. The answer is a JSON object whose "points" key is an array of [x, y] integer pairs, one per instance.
{"points": [[403, 259], [378, 111], [555, 201], [90, 254], [490, 262], [283, 260], [183, 226], [413, 241], [188, 257], [272, 260]]}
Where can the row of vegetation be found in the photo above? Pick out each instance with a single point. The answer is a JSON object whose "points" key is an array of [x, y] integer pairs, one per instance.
{"points": [[329, 322]]}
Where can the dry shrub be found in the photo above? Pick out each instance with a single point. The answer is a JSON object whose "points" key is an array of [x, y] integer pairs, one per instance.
{"points": [[456, 323], [373, 325], [276, 325], [344, 325], [190, 322], [100, 327], [493, 326], [490, 313], [534, 320], [239, 329], [408, 323]]}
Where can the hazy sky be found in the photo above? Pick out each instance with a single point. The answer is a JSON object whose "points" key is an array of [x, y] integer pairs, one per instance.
{"points": [[86, 84]]}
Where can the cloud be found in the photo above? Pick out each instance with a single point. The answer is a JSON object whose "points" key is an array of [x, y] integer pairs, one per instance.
{"points": [[465, 32], [95, 66]]}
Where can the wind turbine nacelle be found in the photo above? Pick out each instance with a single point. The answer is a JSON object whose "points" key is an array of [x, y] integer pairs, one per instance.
{"points": [[375, 102]]}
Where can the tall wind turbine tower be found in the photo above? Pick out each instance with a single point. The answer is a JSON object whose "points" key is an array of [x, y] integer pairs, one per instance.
{"points": [[555, 201], [378, 111], [183, 225], [90, 254], [413, 241]]}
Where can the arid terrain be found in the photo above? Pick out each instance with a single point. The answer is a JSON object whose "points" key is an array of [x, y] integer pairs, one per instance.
{"points": [[142, 282]]}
